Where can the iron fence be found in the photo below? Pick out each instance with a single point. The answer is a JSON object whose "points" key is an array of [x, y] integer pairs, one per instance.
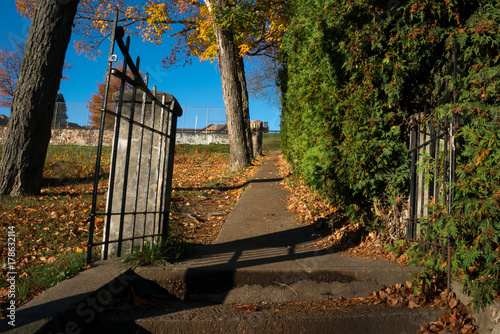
{"points": [[140, 177], [432, 165]]}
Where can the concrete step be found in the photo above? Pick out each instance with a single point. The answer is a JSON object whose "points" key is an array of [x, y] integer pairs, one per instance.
{"points": [[168, 314], [269, 319], [221, 274], [257, 286]]}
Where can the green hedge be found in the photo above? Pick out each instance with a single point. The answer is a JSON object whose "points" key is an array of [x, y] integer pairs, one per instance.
{"points": [[356, 70]]}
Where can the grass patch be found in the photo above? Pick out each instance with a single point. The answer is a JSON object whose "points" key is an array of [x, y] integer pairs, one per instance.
{"points": [[52, 228], [74, 163], [186, 149], [163, 253], [271, 142], [39, 278]]}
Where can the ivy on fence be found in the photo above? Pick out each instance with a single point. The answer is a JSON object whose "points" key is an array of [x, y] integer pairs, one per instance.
{"points": [[357, 71]]}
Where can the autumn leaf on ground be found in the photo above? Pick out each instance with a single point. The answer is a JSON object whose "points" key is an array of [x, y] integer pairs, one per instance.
{"points": [[247, 308]]}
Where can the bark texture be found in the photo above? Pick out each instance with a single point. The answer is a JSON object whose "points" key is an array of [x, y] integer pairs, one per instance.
{"points": [[233, 96], [28, 132], [256, 129], [246, 106]]}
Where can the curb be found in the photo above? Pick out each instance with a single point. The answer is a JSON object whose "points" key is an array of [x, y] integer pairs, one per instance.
{"points": [[69, 305]]}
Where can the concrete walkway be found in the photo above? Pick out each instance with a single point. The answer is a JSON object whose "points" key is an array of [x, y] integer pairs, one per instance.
{"points": [[261, 247]]}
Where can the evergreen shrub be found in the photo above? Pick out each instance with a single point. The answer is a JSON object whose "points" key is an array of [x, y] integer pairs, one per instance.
{"points": [[356, 72]]}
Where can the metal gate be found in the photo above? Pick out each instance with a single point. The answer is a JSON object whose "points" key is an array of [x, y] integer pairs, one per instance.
{"points": [[141, 166], [432, 165]]}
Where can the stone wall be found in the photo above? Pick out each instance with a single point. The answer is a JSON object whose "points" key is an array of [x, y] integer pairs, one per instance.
{"points": [[80, 137], [88, 137], [201, 138]]}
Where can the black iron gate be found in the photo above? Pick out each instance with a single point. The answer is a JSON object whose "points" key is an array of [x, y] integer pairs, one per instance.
{"points": [[432, 165], [141, 166]]}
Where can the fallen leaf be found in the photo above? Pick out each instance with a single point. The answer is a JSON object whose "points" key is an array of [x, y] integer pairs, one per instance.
{"points": [[453, 303], [247, 308], [412, 304], [393, 301]]}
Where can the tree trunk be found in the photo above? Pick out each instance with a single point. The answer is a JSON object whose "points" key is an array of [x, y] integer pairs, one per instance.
{"points": [[28, 133], [256, 129], [233, 100], [246, 106]]}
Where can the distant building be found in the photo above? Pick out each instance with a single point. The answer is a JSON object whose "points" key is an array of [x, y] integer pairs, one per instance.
{"points": [[222, 128], [212, 128], [70, 125], [4, 120]]}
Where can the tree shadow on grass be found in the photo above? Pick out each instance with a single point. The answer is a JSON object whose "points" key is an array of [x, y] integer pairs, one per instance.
{"points": [[65, 181]]}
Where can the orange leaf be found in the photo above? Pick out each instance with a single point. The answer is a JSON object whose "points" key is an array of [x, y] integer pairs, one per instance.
{"points": [[247, 308]]}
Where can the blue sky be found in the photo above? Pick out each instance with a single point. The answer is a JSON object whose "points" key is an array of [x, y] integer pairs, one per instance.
{"points": [[196, 86]]}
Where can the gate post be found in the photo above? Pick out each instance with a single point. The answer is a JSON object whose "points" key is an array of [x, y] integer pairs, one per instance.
{"points": [[256, 129], [138, 202]]}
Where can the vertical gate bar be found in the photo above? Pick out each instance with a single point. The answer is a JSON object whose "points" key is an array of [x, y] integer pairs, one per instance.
{"points": [[438, 155], [148, 173], [165, 178], [446, 185], [170, 172], [432, 153], [112, 170], [445, 153], [93, 209], [139, 160], [160, 151], [410, 226], [424, 210], [164, 168], [445, 163], [450, 172], [157, 178], [453, 127], [436, 161], [127, 161], [423, 134], [418, 198]]}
